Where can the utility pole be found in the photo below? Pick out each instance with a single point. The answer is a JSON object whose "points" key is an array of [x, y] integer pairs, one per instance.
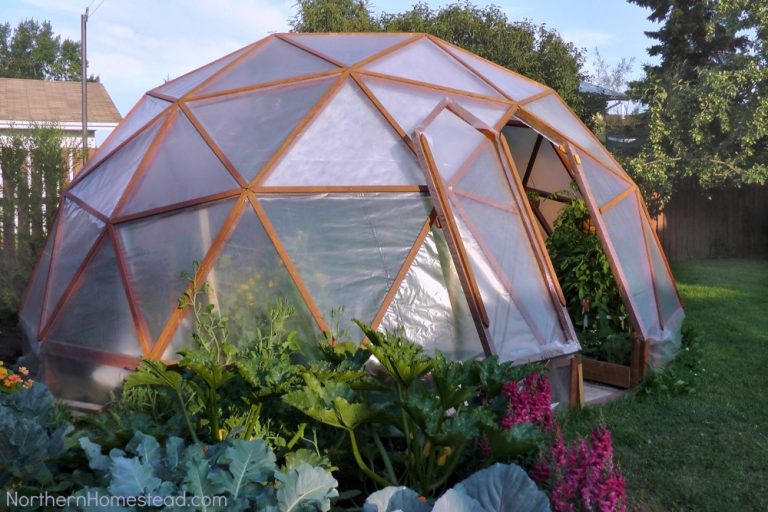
{"points": [[84, 81]]}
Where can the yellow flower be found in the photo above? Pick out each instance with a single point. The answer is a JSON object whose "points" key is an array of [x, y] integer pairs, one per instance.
{"points": [[3, 373], [23, 370], [28, 383]]}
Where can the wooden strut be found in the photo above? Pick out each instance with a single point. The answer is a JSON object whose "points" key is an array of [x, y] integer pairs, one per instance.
{"points": [[542, 220], [312, 51], [37, 268], [288, 262], [535, 240], [97, 159], [140, 323], [403, 271], [458, 50], [532, 159], [80, 353], [206, 264], [226, 68], [616, 200], [299, 129], [262, 86], [483, 79], [85, 206], [429, 85], [54, 251], [73, 284], [95, 163], [541, 126], [225, 161], [146, 160], [455, 246], [390, 119], [176, 206]]}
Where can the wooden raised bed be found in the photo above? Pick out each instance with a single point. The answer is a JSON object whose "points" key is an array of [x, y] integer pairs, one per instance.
{"points": [[618, 375]]}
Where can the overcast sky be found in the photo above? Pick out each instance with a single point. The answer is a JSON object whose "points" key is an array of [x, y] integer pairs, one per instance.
{"points": [[134, 45]]}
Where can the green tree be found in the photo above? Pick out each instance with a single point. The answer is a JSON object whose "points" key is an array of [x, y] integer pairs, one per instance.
{"points": [[707, 100], [532, 50], [32, 50]]}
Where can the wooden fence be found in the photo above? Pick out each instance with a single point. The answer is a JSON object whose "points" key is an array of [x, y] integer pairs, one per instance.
{"points": [[723, 223]]}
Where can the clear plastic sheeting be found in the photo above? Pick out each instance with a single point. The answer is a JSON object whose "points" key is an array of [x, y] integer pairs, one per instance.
{"points": [[348, 48], [82, 381], [452, 143], [145, 110], [249, 127], [515, 86], [424, 61], [104, 185], [624, 226], [29, 315], [410, 105], [669, 301], [335, 151], [183, 167], [272, 61], [484, 180], [180, 86], [98, 315], [604, 184], [159, 249], [348, 249], [559, 374], [430, 305], [249, 279], [511, 334], [553, 111], [666, 345], [512, 259], [76, 235]]}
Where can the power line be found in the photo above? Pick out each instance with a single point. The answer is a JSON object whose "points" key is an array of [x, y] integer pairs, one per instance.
{"points": [[97, 7]]}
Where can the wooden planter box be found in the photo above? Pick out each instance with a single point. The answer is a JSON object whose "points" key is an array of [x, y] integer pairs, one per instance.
{"points": [[618, 375]]}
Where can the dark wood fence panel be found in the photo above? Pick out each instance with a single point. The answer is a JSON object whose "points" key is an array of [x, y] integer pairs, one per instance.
{"points": [[721, 223]]}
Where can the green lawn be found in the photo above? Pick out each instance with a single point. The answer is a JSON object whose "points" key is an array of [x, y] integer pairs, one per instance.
{"points": [[707, 450]]}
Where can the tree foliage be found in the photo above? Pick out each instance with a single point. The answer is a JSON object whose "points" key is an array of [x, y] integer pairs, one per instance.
{"points": [[708, 98], [32, 50], [532, 50]]}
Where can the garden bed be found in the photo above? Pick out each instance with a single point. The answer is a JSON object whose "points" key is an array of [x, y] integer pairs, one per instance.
{"points": [[618, 375]]}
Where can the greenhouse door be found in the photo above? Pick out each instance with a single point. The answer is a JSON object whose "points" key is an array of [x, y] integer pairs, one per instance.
{"points": [[506, 274]]}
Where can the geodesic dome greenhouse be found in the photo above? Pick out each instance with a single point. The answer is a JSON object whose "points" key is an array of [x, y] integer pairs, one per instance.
{"points": [[373, 176]]}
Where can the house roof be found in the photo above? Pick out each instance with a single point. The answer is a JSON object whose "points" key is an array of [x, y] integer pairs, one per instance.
{"points": [[45, 100]]}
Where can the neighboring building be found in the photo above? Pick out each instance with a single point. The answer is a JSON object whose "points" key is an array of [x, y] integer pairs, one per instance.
{"points": [[24, 103]]}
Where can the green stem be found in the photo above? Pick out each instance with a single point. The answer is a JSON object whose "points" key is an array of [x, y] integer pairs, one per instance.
{"points": [[186, 416], [384, 456], [213, 413], [362, 465]]}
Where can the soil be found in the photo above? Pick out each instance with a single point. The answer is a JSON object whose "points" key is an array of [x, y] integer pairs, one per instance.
{"points": [[10, 342]]}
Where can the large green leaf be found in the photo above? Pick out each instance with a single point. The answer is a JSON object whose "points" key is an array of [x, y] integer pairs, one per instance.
{"points": [[147, 449], [132, 477], [305, 488], [499, 488], [96, 460], [249, 462]]}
